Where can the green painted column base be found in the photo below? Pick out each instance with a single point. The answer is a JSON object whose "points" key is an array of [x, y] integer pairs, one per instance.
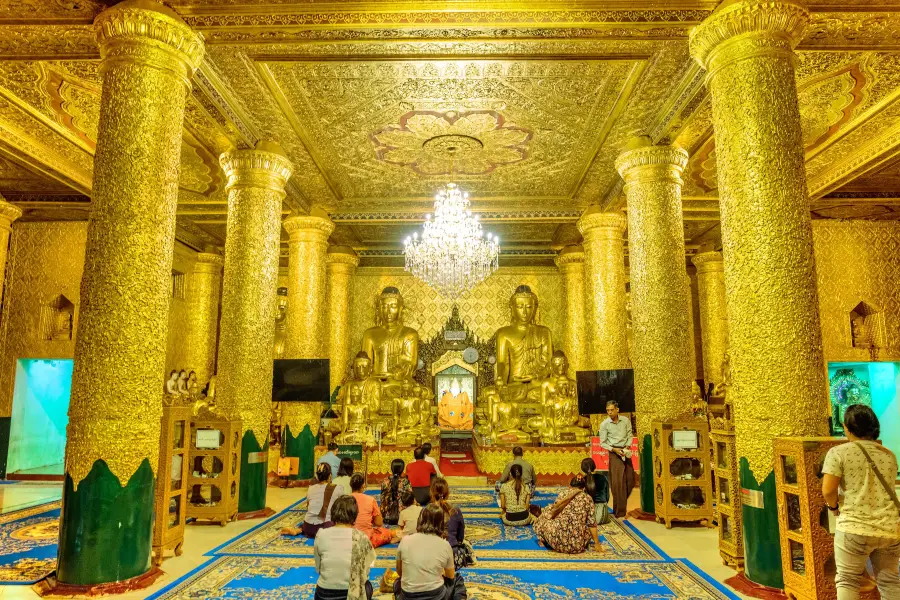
{"points": [[304, 447], [254, 476], [762, 548], [648, 499], [106, 530]]}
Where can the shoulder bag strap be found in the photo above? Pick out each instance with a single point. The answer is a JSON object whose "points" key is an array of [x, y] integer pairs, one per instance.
{"points": [[887, 488], [557, 509], [326, 501]]}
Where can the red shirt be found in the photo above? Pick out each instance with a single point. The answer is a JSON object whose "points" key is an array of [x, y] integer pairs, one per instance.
{"points": [[419, 473]]}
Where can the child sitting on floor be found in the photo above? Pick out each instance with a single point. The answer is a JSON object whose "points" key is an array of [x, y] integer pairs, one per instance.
{"points": [[409, 515]]}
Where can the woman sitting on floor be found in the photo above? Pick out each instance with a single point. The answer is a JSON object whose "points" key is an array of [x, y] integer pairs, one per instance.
{"points": [[596, 485], [425, 562], [343, 556], [569, 525], [369, 519], [514, 499], [320, 502], [392, 488], [463, 554], [345, 472]]}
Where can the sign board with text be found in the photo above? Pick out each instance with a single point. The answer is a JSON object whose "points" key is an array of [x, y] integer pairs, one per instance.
{"points": [[601, 455]]}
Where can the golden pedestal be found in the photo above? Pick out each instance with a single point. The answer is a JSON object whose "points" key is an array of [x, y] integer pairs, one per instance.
{"points": [[171, 482], [681, 476], [215, 470], [558, 462]]}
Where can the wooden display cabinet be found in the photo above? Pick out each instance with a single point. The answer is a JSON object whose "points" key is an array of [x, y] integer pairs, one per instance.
{"points": [[728, 499], [214, 470], [171, 482], [681, 472]]}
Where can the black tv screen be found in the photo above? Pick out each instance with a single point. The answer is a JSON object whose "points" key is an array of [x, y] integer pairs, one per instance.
{"points": [[301, 380], [596, 388]]}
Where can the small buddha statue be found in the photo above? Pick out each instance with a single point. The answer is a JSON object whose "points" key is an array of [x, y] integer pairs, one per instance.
{"points": [[193, 386], [523, 355], [721, 388], [698, 404], [362, 390], [393, 347], [172, 384], [410, 421], [182, 384], [559, 421], [860, 332], [354, 419]]}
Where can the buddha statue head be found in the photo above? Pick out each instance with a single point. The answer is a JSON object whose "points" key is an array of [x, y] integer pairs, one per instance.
{"points": [[523, 305], [559, 364], [454, 388], [390, 307], [362, 366]]}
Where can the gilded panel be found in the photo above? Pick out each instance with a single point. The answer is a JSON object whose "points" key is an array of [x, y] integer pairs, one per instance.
{"points": [[857, 261], [484, 309], [180, 317]]}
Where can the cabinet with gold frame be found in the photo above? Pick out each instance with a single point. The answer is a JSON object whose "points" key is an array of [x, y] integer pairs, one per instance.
{"points": [[681, 472], [214, 470], [171, 482], [726, 484]]}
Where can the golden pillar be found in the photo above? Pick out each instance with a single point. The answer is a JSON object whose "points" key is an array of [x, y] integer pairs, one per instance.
{"points": [[778, 385], [713, 322], [256, 180], [307, 326], [148, 56], [341, 263], [571, 262], [604, 267], [8, 214], [203, 300], [660, 296]]}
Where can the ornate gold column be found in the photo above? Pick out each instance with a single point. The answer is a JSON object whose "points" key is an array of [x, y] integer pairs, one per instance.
{"points": [[341, 263], [256, 180], [713, 322], [571, 262], [778, 385], [660, 297], [604, 267], [148, 56], [8, 214], [204, 298], [307, 326]]}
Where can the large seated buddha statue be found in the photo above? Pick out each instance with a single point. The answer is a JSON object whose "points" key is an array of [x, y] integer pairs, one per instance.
{"points": [[524, 350], [393, 347], [559, 421]]}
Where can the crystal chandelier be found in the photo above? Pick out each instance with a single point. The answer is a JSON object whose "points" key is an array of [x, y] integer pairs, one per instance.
{"points": [[453, 254]]}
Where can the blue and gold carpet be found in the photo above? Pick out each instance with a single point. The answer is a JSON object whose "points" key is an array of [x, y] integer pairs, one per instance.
{"points": [[28, 542], [262, 564]]}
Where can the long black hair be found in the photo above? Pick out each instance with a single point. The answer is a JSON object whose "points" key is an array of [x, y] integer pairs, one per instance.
{"points": [[345, 469], [397, 466], [516, 473], [588, 466]]}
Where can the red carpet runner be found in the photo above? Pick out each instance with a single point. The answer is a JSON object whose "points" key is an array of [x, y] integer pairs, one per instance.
{"points": [[458, 464]]}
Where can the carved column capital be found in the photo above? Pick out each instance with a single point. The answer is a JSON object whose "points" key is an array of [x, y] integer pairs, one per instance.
{"points": [[265, 166], [148, 33], [341, 259], [601, 225], [570, 257], [708, 262], [8, 213], [209, 262], [308, 228], [652, 163]]}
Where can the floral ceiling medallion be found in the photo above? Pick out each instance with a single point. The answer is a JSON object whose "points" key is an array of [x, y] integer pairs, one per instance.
{"points": [[443, 143]]}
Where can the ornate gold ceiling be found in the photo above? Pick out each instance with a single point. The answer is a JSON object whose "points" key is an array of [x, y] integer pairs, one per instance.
{"points": [[526, 104]]}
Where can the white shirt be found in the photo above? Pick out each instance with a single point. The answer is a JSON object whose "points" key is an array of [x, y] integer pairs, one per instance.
{"points": [[424, 558], [315, 499], [867, 508], [616, 435], [434, 462], [331, 552]]}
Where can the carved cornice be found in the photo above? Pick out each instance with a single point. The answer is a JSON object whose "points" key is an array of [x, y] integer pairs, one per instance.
{"points": [[652, 163], [308, 228], [265, 166], [485, 216], [707, 262], [593, 221], [853, 30], [22, 42], [136, 23], [776, 19]]}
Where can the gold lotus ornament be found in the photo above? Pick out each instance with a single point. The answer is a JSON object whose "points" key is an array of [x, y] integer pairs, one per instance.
{"points": [[441, 143]]}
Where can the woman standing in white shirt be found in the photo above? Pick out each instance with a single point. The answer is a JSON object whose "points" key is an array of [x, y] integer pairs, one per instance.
{"points": [[868, 519], [343, 556]]}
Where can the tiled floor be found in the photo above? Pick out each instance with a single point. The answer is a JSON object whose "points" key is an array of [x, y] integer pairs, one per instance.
{"points": [[695, 544]]}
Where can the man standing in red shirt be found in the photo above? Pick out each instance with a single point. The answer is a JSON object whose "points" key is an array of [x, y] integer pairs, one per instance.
{"points": [[420, 473]]}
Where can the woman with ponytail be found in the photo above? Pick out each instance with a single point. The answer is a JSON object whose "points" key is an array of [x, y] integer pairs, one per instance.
{"points": [[514, 499], [463, 554], [597, 487], [392, 489]]}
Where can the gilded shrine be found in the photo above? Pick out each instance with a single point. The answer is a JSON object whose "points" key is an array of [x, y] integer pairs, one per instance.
{"points": [[236, 232]]}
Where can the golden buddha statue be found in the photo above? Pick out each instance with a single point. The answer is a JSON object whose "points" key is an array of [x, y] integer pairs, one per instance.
{"points": [[524, 350], [393, 347], [412, 418], [559, 421], [358, 400]]}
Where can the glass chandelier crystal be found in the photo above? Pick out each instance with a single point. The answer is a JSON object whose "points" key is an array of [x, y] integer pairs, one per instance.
{"points": [[453, 254]]}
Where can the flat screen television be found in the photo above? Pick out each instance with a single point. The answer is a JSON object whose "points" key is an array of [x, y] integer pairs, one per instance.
{"points": [[301, 380], [596, 388]]}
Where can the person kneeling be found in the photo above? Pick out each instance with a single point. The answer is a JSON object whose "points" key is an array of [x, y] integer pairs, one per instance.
{"points": [[425, 562], [343, 556]]}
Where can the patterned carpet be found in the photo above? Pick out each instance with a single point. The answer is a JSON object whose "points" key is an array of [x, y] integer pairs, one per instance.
{"points": [[263, 565], [28, 542]]}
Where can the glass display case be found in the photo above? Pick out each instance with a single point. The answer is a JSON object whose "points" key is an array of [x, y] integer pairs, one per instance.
{"points": [[171, 486], [214, 464], [729, 514], [681, 472], [807, 546]]}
